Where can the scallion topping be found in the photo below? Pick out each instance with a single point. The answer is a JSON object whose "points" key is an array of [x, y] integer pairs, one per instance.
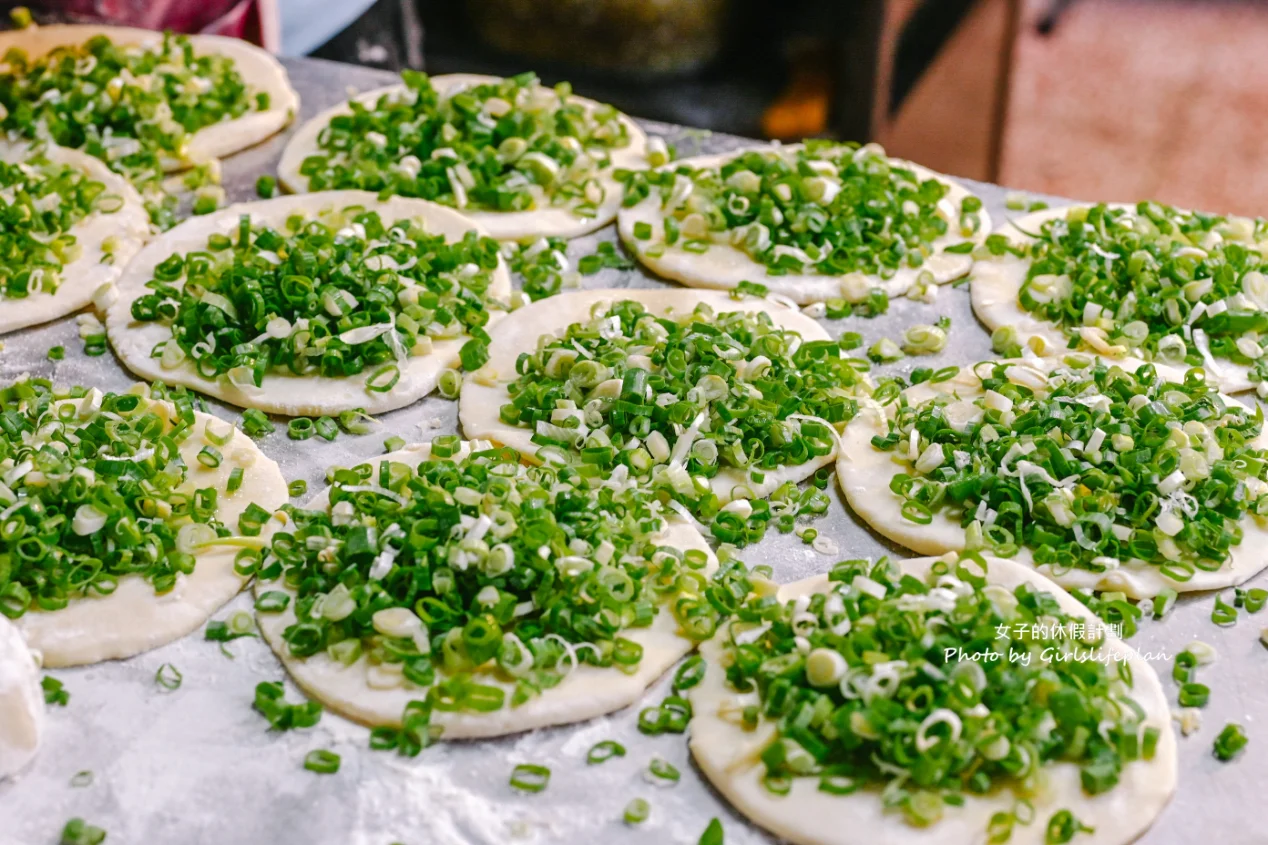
{"points": [[322, 761], [1230, 742], [824, 208], [877, 682], [529, 777], [1088, 466], [169, 677], [509, 145], [671, 401], [338, 294]]}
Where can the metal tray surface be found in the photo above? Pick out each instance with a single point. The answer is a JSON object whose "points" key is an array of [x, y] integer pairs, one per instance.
{"points": [[198, 765]]}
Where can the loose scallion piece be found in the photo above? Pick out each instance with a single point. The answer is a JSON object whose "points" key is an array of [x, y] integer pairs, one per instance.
{"points": [[543, 265], [82, 779], [470, 557], [546, 150], [712, 834], [283, 716], [824, 208], [322, 761], [296, 488], [169, 677], [255, 423], [79, 832], [874, 683], [1230, 742], [604, 751], [660, 771], [636, 812], [529, 777], [690, 395], [55, 693], [1088, 466]]}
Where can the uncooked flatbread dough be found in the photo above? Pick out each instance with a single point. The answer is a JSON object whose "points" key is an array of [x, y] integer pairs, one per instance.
{"points": [[133, 619], [21, 701], [503, 225], [806, 816], [864, 473], [284, 392], [129, 226], [479, 404], [588, 691], [261, 72], [996, 287], [724, 266]]}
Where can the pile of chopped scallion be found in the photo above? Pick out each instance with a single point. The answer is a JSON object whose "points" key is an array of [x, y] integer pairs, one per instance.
{"points": [[132, 107], [934, 689], [509, 145], [484, 581], [669, 402], [334, 295], [824, 208], [39, 204], [1092, 467], [1172, 286], [93, 489]]}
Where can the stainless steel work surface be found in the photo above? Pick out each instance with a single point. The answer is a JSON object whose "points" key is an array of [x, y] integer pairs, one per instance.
{"points": [[199, 765]]}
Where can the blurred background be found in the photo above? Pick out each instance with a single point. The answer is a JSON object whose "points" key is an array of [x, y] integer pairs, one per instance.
{"points": [[1092, 99]]}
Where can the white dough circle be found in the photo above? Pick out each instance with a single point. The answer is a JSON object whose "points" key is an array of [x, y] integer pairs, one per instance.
{"points": [[586, 692], [480, 403], [133, 619], [995, 292], [864, 473], [262, 73], [724, 751], [284, 392], [21, 701], [503, 225], [129, 226], [723, 266]]}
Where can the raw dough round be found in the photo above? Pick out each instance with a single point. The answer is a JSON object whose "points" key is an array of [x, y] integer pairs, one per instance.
{"points": [[129, 226], [21, 701], [479, 405], [723, 266], [284, 392], [996, 287], [588, 691], [261, 71], [133, 619], [503, 225], [864, 473], [806, 816]]}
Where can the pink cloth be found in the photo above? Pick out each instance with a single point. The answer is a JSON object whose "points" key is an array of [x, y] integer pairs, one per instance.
{"points": [[252, 20]]}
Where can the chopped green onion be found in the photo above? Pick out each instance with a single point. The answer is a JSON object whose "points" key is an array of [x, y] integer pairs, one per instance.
{"points": [[322, 762], [1230, 742], [605, 751], [82, 779], [168, 677], [393, 444], [636, 812], [529, 777], [56, 353], [1063, 827], [281, 715], [79, 832], [54, 692], [660, 769], [298, 487], [266, 187]]}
